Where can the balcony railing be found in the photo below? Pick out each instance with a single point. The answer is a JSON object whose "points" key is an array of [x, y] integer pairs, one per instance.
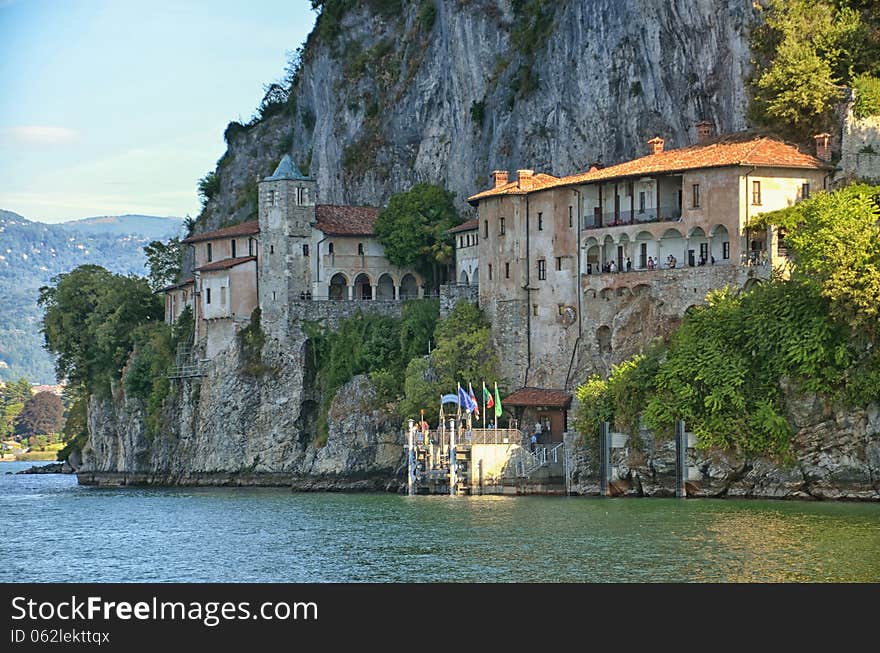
{"points": [[622, 218]]}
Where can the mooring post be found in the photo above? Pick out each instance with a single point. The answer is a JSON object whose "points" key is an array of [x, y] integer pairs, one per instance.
{"points": [[410, 479], [680, 459], [604, 457], [453, 481]]}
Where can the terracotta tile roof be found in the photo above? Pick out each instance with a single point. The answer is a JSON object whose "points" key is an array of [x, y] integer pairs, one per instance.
{"points": [[336, 220], [225, 263], [244, 229], [538, 397], [470, 225], [538, 182], [175, 286], [742, 149]]}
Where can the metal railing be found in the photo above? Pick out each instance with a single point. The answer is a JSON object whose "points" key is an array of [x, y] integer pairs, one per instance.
{"points": [[473, 436], [186, 365]]}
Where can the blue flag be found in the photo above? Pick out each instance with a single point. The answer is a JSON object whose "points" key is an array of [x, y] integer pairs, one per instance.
{"points": [[465, 401]]}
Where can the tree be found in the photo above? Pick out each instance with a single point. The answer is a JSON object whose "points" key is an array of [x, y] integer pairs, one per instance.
{"points": [[43, 414], [90, 322], [164, 261], [413, 229]]}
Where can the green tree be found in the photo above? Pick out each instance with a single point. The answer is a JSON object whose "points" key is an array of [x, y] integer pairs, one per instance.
{"points": [[463, 354], [805, 51], [413, 229], [42, 414], [164, 261], [90, 322]]}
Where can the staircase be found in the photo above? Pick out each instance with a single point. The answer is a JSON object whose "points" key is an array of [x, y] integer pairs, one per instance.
{"points": [[538, 472]]}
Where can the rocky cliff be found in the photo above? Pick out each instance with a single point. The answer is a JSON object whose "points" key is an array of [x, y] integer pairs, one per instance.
{"points": [[393, 93], [231, 428], [835, 454]]}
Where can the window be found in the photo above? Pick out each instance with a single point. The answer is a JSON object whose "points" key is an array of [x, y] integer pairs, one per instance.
{"points": [[696, 189], [271, 198], [210, 253], [330, 248], [305, 249], [535, 309], [361, 249], [560, 308], [725, 250], [233, 247], [300, 196], [704, 251], [540, 222], [756, 193], [461, 241], [679, 199], [805, 191], [542, 270], [250, 246], [273, 295], [501, 226], [641, 201], [485, 229], [507, 270], [222, 295], [271, 249], [490, 272], [208, 296], [570, 216], [558, 263]]}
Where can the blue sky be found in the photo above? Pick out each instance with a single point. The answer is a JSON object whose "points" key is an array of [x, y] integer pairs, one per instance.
{"points": [[119, 106]]}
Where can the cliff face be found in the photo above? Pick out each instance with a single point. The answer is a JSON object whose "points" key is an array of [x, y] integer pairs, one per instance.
{"points": [[230, 428], [835, 454], [384, 101]]}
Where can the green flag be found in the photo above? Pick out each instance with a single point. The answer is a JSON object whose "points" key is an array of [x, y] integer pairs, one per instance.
{"points": [[498, 410]]}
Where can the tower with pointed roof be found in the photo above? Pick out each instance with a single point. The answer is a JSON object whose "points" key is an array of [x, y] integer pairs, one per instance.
{"points": [[287, 213]]}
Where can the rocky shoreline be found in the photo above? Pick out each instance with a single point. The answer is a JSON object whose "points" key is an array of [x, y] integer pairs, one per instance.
{"points": [[51, 468]]}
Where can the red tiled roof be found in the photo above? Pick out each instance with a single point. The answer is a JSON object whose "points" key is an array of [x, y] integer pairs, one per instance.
{"points": [[538, 397], [335, 220], [470, 225], [742, 149], [538, 181], [225, 263], [243, 229]]}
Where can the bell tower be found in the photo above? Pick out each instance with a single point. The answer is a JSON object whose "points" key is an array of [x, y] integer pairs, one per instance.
{"points": [[287, 213]]}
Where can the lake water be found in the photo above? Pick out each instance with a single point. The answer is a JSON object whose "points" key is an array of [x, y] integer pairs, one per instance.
{"points": [[51, 529]]}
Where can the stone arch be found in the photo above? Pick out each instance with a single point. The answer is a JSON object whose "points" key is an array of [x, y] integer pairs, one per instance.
{"points": [[642, 289], [623, 291], [603, 337], [593, 255], [720, 244], [338, 287], [606, 293], [644, 248], [409, 287], [608, 250], [363, 286], [750, 283], [672, 243], [385, 287], [463, 279], [698, 247], [475, 276]]}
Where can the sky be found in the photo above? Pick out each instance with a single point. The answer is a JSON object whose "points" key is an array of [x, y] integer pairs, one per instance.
{"points": [[119, 106]]}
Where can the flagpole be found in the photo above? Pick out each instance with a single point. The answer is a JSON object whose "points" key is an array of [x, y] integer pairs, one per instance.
{"points": [[496, 405], [485, 414]]}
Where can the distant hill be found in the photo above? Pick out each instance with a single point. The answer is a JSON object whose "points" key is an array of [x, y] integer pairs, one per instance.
{"points": [[31, 253], [149, 226]]}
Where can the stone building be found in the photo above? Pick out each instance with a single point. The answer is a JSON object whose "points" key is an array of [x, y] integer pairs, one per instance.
{"points": [[296, 253], [467, 253], [579, 272]]}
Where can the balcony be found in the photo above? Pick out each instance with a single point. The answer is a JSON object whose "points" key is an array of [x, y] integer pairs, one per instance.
{"points": [[628, 218]]}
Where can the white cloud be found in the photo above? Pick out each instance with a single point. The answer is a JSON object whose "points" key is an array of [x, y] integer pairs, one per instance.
{"points": [[40, 135]]}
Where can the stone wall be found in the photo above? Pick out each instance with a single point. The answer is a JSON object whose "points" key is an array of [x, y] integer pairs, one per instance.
{"points": [[451, 294], [332, 312], [835, 454], [860, 148]]}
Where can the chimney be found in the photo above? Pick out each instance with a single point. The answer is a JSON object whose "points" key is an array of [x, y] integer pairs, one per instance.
{"points": [[705, 131], [823, 146], [525, 179], [655, 145], [500, 177]]}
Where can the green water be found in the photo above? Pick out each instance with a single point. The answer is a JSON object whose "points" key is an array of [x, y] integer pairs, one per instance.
{"points": [[54, 530]]}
